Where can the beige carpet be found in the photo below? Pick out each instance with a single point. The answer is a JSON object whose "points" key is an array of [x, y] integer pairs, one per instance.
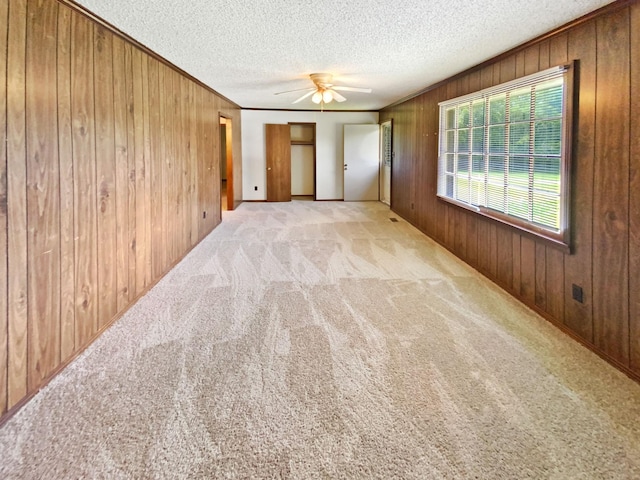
{"points": [[322, 340]]}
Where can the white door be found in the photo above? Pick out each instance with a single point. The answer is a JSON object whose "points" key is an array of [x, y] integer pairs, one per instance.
{"points": [[361, 162]]}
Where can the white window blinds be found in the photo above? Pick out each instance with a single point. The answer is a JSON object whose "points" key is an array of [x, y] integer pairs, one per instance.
{"points": [[501, 151]]}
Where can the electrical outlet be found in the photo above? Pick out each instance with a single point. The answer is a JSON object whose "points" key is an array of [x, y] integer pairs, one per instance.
{"points": [[576, 293], [256, 188], [204, 214]]}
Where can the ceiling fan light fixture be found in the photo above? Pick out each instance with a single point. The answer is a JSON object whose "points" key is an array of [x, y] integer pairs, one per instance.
{"points": [[324, 91]]}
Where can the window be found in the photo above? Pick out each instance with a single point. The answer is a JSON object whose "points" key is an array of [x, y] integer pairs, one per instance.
{"points": [[504, 152]]}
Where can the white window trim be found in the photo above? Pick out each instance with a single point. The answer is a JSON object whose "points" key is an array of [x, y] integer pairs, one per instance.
{"points": [[560, 238]]}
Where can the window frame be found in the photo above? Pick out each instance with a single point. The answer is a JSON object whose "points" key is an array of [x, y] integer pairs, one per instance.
{"points": [[560, 238]]}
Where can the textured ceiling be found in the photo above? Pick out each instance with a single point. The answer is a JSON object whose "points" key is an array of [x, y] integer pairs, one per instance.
{"points": [[249, 49]]}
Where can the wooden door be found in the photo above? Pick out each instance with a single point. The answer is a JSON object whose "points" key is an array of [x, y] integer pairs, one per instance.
{"points": [[278, 163]]}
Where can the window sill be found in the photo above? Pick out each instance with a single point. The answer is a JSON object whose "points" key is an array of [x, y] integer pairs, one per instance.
{"points": [[526, 229]]}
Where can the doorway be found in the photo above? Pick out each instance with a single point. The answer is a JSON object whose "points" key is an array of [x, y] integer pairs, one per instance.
{"points": [[303, 160], [385, 162], [226, 164]]}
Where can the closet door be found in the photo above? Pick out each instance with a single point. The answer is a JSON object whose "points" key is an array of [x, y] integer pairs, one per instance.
{"points": [[278, 163]]}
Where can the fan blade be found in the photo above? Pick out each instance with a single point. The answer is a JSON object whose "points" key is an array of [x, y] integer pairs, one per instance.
{"points": [[336, 96], [308, 94], [296, 90], [352, 89]]}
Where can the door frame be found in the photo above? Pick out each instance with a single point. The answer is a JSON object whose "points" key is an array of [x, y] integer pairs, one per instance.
{"points": [[228, 123], [382, 177]]}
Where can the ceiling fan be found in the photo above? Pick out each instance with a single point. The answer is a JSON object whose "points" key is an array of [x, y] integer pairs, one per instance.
{"points": [[324, 90]]}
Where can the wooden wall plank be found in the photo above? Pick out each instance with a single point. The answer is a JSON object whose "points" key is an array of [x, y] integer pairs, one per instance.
{"points": [[184, 165], [634, 199], [155, 170], [140, 249], [411, 133], [544, 55], [611, 187], [165, 145], [84, 170], [504, 259], [532, 59], [106, 173], [528, 270], [167, 184], [516, 255], [213, 162], [541, 275], [131, 172], [17, 206], [519, 64], [482, 227], [43, 199], [4, 25], [121, 105], [207, 153], [170, 166], [493, 250], [400, 197], [421, 169], [472, 240], [65, 149], [559, 49], [193, 163], [578, 266], [508, 69], [554, 282], [460, 232], [176, 168], [161, 258], [146, 126], [201, 158]]}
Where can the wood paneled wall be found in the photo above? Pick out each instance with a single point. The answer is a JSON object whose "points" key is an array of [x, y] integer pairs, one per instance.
{"points": [[605, 210], [109, 175]]}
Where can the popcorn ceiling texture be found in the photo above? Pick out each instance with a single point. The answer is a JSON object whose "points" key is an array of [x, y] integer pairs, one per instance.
{"points": [[248, 50]]}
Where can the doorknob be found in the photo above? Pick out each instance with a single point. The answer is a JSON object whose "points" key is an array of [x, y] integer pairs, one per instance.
{"points": [[269, 168]]}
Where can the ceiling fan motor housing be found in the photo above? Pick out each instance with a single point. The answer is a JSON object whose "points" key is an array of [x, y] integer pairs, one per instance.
{"points": [[322, 80]]}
